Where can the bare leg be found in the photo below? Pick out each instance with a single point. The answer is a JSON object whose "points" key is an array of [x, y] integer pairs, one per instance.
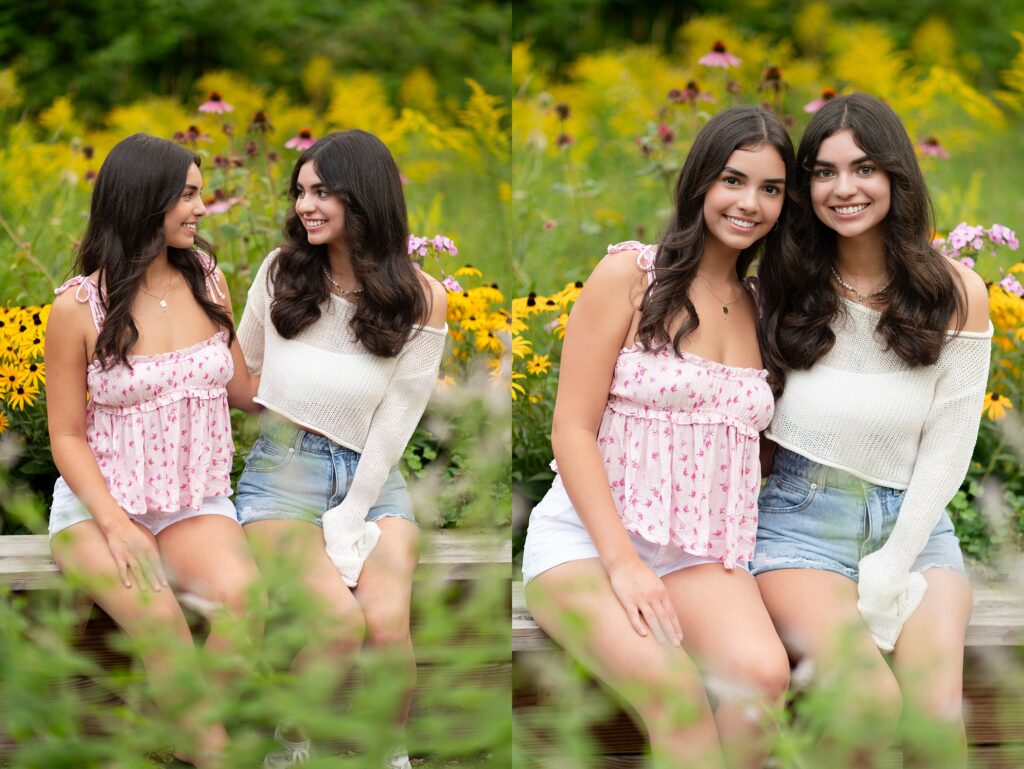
{"points": [[155, 621], [384, 592], [929, 658], [575, 605], [727, 630], [815, 613], [207, 556]]}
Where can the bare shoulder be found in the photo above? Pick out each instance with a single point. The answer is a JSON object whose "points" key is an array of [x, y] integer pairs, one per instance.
{"points": [[438, 299], [68, 309], [614, 272], [975, 293]]}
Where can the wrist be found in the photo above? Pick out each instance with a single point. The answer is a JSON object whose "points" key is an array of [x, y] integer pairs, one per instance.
{"points": [[110, 518]]}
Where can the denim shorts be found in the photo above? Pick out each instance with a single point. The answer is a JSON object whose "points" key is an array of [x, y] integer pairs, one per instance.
{"points": [[67, 510], [293, 474], [811, 516]]}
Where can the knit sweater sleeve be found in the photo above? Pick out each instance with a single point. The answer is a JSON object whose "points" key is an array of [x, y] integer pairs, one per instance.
{"points": [[348, 537], [889, 592], [252, 327]]}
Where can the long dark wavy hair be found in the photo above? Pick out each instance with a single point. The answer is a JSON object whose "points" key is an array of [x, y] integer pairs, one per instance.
{"points": [[682, 243], [800, 300], [358, 169], [139, 182]]}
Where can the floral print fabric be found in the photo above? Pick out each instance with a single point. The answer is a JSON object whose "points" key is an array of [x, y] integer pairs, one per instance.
{"points": [[160, 430]]}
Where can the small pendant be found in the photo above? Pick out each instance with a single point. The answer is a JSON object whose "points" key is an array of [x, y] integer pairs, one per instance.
{"points": [[163, 303], [725, 310]]}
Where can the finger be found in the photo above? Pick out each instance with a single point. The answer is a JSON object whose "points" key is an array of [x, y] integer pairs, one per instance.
{"points": [[651, 617], [122, 572], [676, 626], [634, 619], [668, 628], [149, 572], [140, 577]]}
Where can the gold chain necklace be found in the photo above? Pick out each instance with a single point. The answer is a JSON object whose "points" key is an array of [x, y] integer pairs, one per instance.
{"points": [[860, 297], [163, 302], [345, 292], [725, 305]]}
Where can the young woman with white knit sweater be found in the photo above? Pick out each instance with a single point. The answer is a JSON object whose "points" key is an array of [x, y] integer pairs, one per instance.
{"points": [[880, 348], [347, 335]]}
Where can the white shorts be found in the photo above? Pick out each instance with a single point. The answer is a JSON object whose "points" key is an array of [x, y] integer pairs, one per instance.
{"points": [[67, 511], [556, 535]]}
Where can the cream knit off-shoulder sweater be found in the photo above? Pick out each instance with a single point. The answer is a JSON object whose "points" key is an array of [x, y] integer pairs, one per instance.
{"points": [[861, 409], [325, 380]]}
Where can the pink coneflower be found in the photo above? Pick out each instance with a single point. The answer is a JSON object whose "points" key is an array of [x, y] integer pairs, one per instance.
{"points": [[666, 134], [550, 224], [564, 140], [260, 123], [826, 95], [215, 104], [219, 202], [403, 179], [563, 111], [718, 57], [689, 95], [303, 141], [931, 146]]}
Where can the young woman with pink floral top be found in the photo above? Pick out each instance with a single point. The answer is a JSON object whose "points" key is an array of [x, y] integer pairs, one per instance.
{"points": [[141, 365], [647, 530]]}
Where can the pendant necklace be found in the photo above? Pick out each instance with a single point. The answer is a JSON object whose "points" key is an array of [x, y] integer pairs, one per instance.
{"points": [[860, 297], [345, 292], [163, 302], [725, 305]]}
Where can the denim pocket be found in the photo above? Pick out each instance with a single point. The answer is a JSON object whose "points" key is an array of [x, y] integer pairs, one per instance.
{"points": [[267, 457], [785, 495]]}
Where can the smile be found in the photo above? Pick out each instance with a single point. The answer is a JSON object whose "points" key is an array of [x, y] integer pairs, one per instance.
{"points": [[745, 224], [849, 210], [314, 223], [190, 226]]}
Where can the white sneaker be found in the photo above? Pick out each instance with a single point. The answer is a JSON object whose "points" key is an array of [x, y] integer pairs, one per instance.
{"points": [[288, 755]]}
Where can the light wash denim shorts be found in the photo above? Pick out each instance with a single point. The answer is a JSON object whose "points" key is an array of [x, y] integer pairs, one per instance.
{"points": [[67, 510], [293, 474], [811, 516]]}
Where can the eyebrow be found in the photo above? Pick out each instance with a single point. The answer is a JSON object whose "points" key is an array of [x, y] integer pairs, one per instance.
{"points": [[190, 188], [317, 186], [857, 162], [737, 172]]}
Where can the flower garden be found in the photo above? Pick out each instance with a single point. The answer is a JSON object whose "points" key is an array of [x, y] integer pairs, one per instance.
{"points": [[597, 150]]}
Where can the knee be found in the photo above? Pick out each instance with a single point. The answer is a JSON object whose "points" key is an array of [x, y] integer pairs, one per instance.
{"points": [[764, 676], [345, 630], [387, 626]]}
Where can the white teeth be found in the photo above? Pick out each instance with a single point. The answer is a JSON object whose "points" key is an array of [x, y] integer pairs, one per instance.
{"points": [[742, 223], [315, 222], [847, 210], [190, 226]]}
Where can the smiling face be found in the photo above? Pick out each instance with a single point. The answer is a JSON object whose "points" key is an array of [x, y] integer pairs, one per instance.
{"points": [[745, 200], [320, 211], [849, 192], [182, 218]]}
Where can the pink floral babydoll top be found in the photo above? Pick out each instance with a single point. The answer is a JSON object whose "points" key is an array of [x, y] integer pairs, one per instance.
{"points": [[160, 430], [680, 443]]}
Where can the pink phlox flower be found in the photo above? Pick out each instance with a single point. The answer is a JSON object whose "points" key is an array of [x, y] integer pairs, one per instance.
{"points": [[1001, 235], [931, 146], [418, 245], [215, 104], [301, 141], [441, 243], [826, 95], [452, 284], [964, 234], [718, 57], [1011, 285], [967, 262]]}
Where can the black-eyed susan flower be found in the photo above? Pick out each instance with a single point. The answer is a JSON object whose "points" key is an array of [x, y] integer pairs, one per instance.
{"points": [[22, 396], [468, 270], [4, 423], [514, 386], [996, 406], [521, 346], [488, 342], [32, 373], [538, 364]]}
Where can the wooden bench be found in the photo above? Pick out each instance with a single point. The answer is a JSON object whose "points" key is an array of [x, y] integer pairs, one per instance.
{"points": [[994, 713]]}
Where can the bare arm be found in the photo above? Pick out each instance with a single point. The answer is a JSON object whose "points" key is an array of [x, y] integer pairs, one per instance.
{"points": [[66, 365], [598, 326], [243, 385]]}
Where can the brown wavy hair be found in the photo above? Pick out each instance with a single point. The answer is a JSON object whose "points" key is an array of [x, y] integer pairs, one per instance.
{"points": [[681, 245], [358, 169], [796, 285], [139, 182]]}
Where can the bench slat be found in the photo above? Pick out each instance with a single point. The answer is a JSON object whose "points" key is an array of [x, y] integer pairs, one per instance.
{"points": [[25, 562], [997, 620]]}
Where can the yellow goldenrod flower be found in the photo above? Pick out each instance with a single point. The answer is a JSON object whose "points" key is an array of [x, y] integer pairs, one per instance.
{"points": [[22, 396], [538, 364], [996, 406]]}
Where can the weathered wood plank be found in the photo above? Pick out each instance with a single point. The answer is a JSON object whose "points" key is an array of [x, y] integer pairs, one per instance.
{"points": [[998, 620], [25, 562]]}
